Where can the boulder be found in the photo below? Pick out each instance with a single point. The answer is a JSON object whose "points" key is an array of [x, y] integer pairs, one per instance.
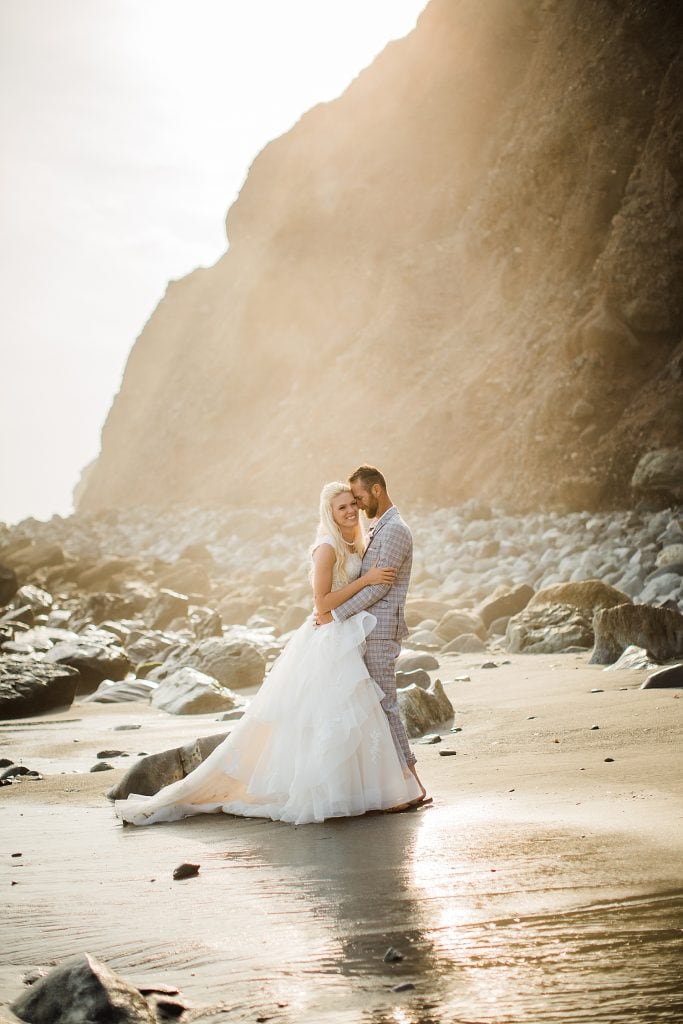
{"points": [[408, 661], [30, 687], [153, 772], [423, 639], [418, 677], [123, 692], [188, 577], [467, 643], [189, 692], [169, 605], [150, 646], [658, 630], [632, 658], [658, 477], [82, 990], [670, 555], [102, 606], [666, 678], [205, 622], [417, 609], [548, 630], [293, 617], [587, 596], [8, 584], [499, 626], [97, 577], [39, 600], [34, 556], [455, 623], [94, 662], [504, 604], [234, 663], [424, 710]]}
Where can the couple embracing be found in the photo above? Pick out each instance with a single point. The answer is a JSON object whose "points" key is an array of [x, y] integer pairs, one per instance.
{"points": [[323, 736]]}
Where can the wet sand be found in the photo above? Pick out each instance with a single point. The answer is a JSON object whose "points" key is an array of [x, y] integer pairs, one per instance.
{"points": [[544, 884]]}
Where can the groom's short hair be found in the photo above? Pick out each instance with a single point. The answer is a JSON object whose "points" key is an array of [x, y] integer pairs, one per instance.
{"points": [[368, 476]]}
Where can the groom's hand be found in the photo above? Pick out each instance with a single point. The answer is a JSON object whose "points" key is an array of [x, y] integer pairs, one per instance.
{"points": [[322, 618]]}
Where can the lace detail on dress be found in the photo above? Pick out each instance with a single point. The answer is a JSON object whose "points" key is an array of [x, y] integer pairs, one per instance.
{"points": [[353, 565]]}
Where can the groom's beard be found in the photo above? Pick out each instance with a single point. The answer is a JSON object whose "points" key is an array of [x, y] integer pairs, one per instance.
{"points": [[372, 510]]}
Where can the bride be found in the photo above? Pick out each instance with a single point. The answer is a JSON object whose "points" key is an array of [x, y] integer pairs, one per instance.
{"points": [[314, 743]]}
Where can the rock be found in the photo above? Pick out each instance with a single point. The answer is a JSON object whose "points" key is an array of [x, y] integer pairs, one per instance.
{"points": [[103, 754], [30, 687], [548, 630], [447, 753], [169, 605], [187, 577], [468, 643], [155, 771], [232, 663], [101, 607], [185, 870], [205, 622], [418, 609], [456, 623], [98, 576], [633, 658], [102, 766], [666, 678], [670, 555], [294, 617], [190, 692], [39, 600], [430, 739], [658, 630], [82, 990], [423, 639], [504, 605], [587, 596], [94, 662], [405, 986], [122, 692], [8, 584], [659, 476], [23, 614], [661, 587], [150, 646], [34, 556], [423, 710], [392, 956], [499, 626], [408, 661], [418, 677]]}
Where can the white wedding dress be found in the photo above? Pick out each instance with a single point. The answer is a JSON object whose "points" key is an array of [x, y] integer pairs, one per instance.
{"points": [[313, 744]]}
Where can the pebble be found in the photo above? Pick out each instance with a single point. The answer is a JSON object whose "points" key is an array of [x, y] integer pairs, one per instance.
{"points": [[462, 679], [489, 664], [102, 766], [594, 727], [430, 739], [608, 759], [405, 986], [447, 753], [126, 728], [392, 956], [597, 691], [111, 753], [185, 870]]}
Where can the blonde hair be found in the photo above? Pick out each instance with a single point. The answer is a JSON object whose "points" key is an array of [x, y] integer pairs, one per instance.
{"points": [[328, 529]]}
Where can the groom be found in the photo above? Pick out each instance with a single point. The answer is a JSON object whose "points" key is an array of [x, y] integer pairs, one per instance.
{"points": [[390, 545]]}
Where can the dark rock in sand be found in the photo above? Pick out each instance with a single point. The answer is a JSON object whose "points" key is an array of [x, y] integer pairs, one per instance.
{"points": [[8, 584], [30, 687], [658, 630], [94, 662], [504, 605], [392, 956], [82, 990], [671, 677], [185, 870], [102, 766], [234, 663], [155, 771]]}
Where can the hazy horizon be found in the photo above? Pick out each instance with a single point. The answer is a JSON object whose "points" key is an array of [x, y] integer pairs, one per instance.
{"points": [[129, 130]]}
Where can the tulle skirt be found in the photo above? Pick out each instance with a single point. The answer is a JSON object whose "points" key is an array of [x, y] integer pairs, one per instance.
{"points": [[313, 744]]}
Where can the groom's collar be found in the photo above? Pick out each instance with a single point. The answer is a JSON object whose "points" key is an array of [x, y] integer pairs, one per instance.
{"points": [[389, 514]]}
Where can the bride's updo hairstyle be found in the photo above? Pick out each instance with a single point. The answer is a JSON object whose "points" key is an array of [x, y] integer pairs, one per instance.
{"points": [[328, 528]]}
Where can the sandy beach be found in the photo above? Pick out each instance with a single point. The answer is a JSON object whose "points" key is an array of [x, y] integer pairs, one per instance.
{"points": [[543, 884]]}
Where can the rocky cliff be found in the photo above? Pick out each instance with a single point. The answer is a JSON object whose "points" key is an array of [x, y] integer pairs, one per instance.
{"points": [[467, 269]]}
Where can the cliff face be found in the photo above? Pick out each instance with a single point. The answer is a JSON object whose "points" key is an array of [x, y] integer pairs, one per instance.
{"points": [[467, 269]]}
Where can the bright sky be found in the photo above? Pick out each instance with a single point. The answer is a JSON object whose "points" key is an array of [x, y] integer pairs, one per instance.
{"points": [[127, 129]]}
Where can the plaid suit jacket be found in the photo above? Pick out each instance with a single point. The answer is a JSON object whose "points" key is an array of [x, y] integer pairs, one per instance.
{"points": [[390, 545]]}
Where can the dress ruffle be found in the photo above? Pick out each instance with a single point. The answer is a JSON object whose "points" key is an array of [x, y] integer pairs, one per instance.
{"points": [[313, 744]]}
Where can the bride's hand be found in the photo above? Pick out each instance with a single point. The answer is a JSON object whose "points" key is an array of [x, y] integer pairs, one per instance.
{"points": [[377, 575]]}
